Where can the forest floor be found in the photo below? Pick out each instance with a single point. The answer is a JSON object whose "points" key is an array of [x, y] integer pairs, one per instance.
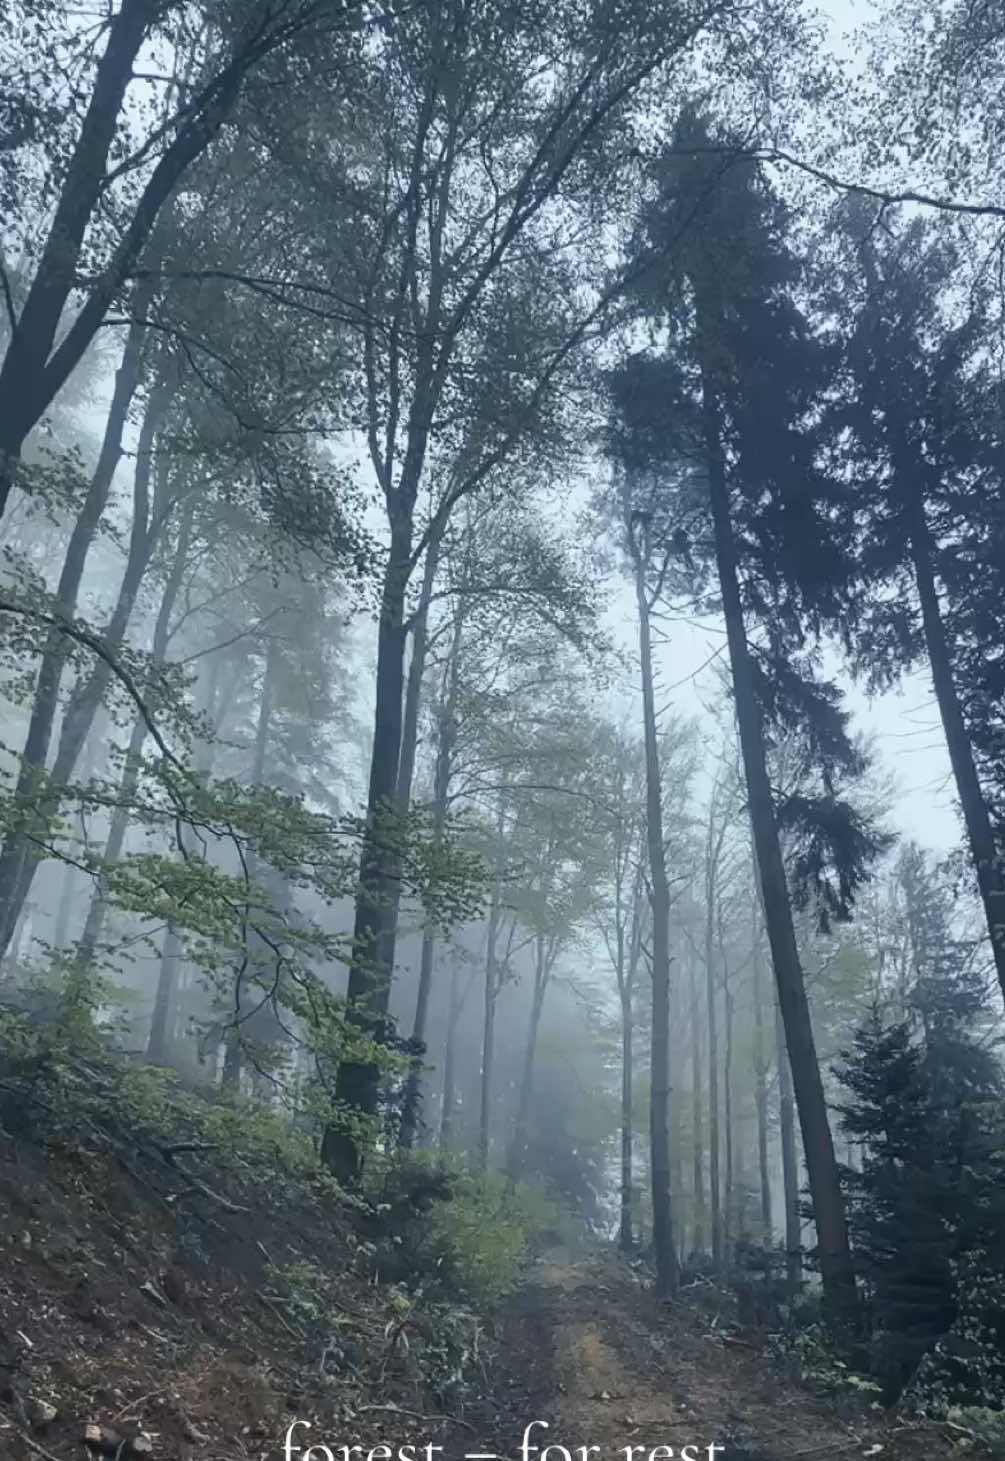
{"points": [[593, 1353], [107, 1321]]}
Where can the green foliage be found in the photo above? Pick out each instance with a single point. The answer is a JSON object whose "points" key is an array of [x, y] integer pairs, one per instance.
{"points": [[978, 1430], [926, 1210], [811, 1350], [472, 1243]]}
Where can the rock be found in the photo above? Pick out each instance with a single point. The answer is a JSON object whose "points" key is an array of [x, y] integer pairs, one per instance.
{"points": [[41, 1414], [110, 1443], [153, 1292]]}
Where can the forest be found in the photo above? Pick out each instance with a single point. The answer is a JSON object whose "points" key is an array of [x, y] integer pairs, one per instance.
{"points": [[495, 499]]}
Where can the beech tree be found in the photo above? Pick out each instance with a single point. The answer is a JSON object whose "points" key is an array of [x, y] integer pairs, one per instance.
{"points": [[110, 165]]}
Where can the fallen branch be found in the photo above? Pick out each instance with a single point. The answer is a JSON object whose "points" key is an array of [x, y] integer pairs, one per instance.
{"points": [[33, 1445], [417, 1415], [273, 1308]]}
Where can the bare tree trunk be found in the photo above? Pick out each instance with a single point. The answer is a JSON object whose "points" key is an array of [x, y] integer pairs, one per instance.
{"points": [[30, 378], [667, 1268], [626, 1234], [67, 893], [449, 1061], [790, 1161], [18, 866], [711, 1011], [488, 1038], [230, 1076], [45, 701], [409, 746], [446, 733], [233, 1060], [761, 1089], [980, 835], [543, 963], [98, 906], [170, 979], [162, 1021], [697, 1125], [492, 984], [729, 1213], [836, 1268], [369, 986]]}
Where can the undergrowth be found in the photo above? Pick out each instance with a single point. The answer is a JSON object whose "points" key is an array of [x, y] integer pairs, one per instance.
{"points": [[389, 1288]]}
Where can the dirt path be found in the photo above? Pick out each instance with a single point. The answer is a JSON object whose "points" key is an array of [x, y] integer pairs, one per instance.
{"points": [[588, 1350]]}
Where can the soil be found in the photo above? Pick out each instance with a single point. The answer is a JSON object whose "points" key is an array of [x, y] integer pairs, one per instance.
{"points": [[591, 1351], [107, 1318]]}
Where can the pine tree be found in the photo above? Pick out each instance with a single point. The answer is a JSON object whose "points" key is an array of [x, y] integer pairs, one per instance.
{"points": [[926, 1210]]}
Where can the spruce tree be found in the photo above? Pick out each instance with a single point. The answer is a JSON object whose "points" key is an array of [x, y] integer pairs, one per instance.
{"points": [[926, 1210]]}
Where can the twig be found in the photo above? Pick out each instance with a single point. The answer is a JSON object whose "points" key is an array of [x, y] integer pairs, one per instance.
{"points": [[135, 1404], [279, 1315], [417, 1415], [34, 1445], [826, 1446]]}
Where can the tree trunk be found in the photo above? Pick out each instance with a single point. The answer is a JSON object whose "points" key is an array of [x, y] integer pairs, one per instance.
{"points": [[17, 866], [446, 732], [729, 1214], [519, 1143], [715, 1175], [449, 1061], [33, 372], [667, 1270], [162, 1022], [488, 1038], [980, 836], [761, 1089], [98, 906], [46, 697], [66, 900], [170, 980], [29, 379], [626, 1233], [790, 1161], [409, 745], [234, 1050], [697, 1098], [492, 982], [369, 986], [836, 1268]]}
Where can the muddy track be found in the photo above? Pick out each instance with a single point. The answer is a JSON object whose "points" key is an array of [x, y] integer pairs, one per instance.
{"points": [[586, 1349]]}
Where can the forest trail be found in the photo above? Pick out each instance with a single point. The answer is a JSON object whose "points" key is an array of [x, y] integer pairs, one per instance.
{"points": [[591, 1352]]}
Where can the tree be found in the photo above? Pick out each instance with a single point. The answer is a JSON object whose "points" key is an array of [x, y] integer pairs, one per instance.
{"points": [[502, 125], [927, 454], [112, 173], [621, 916], [740, 409], [926, 1102]]}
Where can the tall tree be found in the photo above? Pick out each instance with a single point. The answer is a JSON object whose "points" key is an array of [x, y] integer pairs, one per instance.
{"points": [[924, 415], [104, 156], [501, 125], [740, 401]]}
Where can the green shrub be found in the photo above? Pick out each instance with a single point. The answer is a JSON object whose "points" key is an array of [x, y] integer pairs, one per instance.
{"points": [[464, 1234]]}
